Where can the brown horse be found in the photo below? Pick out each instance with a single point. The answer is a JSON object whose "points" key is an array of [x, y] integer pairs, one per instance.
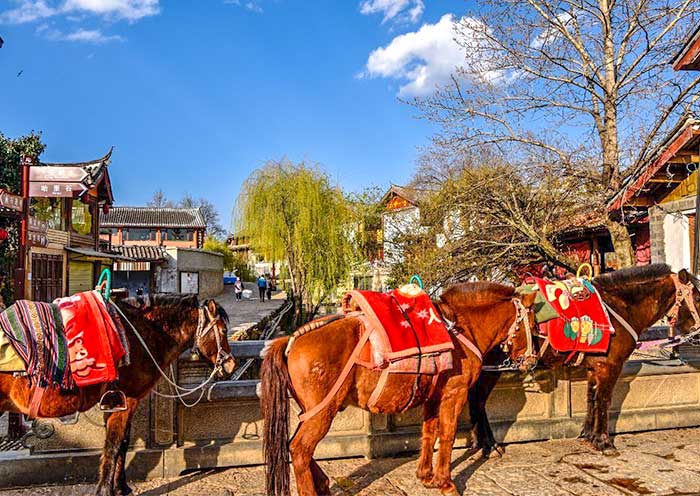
{"points": [[485, 314], [640, 296], [168, 325]]}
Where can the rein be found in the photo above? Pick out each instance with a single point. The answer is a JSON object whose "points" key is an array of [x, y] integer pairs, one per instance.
{"points": [[201, 331]]}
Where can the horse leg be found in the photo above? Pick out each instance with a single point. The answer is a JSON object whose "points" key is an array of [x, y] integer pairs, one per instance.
{"points": [[311, 481], [453, 400], [431, 409], [587, 431], [117, 424], [606, 378], [481, 435], [120, 482]]}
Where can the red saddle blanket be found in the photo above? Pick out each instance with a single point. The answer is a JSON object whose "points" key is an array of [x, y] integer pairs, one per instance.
{"points": [[94, 344], [583, 324], [407, 320]]}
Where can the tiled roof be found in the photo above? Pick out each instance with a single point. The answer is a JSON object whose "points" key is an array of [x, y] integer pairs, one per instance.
{"points": [[142, 253], [153, 217], [413, 195]]}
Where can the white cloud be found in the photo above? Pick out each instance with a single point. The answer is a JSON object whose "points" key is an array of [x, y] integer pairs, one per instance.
{"points": [[27, 11], [32, 10], [425, 59], [131, 10], [394, 9], [250, 5], [93, 36]]}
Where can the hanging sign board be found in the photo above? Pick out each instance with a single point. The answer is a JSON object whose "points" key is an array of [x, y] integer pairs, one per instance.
{"points": [[37, 239], [38, 226], [46, 189], [57, 174], [13, 202]]}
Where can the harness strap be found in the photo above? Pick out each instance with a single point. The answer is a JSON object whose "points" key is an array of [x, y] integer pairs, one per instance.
{"points": [[684, 293], [35, 402], [379, 389], [341, 378], [451, 326], [623, 322]]}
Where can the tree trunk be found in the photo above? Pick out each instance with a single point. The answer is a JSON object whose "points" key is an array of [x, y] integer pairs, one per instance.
{"points": [[622, 243]]}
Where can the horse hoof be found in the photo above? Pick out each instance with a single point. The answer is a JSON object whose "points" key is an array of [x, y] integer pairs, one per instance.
{"points": [[449, 490], [124, 491]]}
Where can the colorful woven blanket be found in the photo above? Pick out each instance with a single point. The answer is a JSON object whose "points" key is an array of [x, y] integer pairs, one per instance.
{"points": [[94, 342], [407, 319], [572, 315], [35, 331]]}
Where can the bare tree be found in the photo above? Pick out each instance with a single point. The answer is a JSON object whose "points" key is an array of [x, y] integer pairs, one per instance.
{"points": [[159, 200], [209, 212], [572, 82]]}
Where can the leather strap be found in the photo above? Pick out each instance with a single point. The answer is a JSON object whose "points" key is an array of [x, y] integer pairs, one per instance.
{"points": [[468, 344], [624, 323], [379, 389], [35, 402], [341, 378]]}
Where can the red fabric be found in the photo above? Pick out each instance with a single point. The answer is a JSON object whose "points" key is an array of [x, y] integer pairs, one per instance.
{"points": [[583, 323], [93, 342], [642, 245], [384, 311]]}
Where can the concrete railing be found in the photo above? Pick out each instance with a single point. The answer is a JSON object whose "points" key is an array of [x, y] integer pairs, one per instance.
{"points": [[225, 428]]}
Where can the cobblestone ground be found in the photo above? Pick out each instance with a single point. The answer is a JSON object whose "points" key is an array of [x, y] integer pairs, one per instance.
{"points": [[652, 463], [248, 312]]}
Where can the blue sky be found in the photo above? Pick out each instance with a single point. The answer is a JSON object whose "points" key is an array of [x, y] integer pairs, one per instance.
{"points": [[194, 96]]}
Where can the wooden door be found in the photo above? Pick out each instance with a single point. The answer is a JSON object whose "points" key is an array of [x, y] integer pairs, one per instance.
{"points": [[47, 277]]}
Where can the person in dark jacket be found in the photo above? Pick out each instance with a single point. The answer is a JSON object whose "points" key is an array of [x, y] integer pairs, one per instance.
{"points": [[262, 287]]}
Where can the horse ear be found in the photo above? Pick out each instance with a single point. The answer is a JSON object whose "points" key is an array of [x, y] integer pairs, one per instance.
{"points": [[211, 306], [684, 276], [528, 299]]}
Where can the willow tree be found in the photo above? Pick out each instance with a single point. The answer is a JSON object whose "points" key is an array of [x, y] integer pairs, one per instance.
{"points": [[293, 213]]}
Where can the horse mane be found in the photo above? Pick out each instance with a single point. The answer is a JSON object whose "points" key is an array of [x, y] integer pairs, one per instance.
{"points": [[642, 274], [479, 293]]}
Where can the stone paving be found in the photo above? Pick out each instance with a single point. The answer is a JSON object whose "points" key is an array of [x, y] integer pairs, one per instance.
{"points": [[651, 463], [246, 313]]}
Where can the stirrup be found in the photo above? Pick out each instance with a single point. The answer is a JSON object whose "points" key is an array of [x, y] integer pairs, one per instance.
{"points": [[113, 401]]}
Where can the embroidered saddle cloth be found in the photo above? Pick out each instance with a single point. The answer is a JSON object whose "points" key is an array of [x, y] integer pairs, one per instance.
{"points": [[33, 342], [95, 343], [571, 314], [404, 326]]}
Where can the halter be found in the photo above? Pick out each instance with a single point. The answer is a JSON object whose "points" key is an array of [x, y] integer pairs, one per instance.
{"points": [[684, 294], [205, 323], [521, 318]]}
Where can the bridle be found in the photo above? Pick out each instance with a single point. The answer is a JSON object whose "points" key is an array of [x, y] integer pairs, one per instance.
{"points": [[206, 322], [684, 294], [521, 320]]}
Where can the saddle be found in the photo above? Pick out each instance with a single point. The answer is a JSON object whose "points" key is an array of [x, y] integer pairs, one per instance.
{"points": [[571, 315], [401, 333], [74, 342]]}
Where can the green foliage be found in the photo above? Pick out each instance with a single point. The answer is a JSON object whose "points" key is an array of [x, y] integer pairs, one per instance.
{"points": [[10, 152], [292, 212], [218, 246]]}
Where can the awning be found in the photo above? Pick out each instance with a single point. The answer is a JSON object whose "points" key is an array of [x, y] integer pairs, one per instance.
{"points": [[97, 255], [143, 253]]}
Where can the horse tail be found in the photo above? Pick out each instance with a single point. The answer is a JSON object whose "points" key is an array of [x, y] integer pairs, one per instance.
{"points": [[274, 404]]}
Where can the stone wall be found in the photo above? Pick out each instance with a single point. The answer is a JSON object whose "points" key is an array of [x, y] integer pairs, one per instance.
{"points": [[209, 267], [225, 428], [657, 215]]}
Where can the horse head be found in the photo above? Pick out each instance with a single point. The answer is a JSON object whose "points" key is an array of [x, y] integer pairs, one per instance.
{"points": [[211, 338], [686, 309], [520, 343], [205, 327]]}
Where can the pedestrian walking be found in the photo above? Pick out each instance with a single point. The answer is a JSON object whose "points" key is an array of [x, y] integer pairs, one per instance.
{"points": [[268, 280], [238, 288], [262, 287]]}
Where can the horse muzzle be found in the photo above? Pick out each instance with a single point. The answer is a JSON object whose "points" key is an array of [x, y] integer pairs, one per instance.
{"points": [[528, 363], [228, 366]]}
